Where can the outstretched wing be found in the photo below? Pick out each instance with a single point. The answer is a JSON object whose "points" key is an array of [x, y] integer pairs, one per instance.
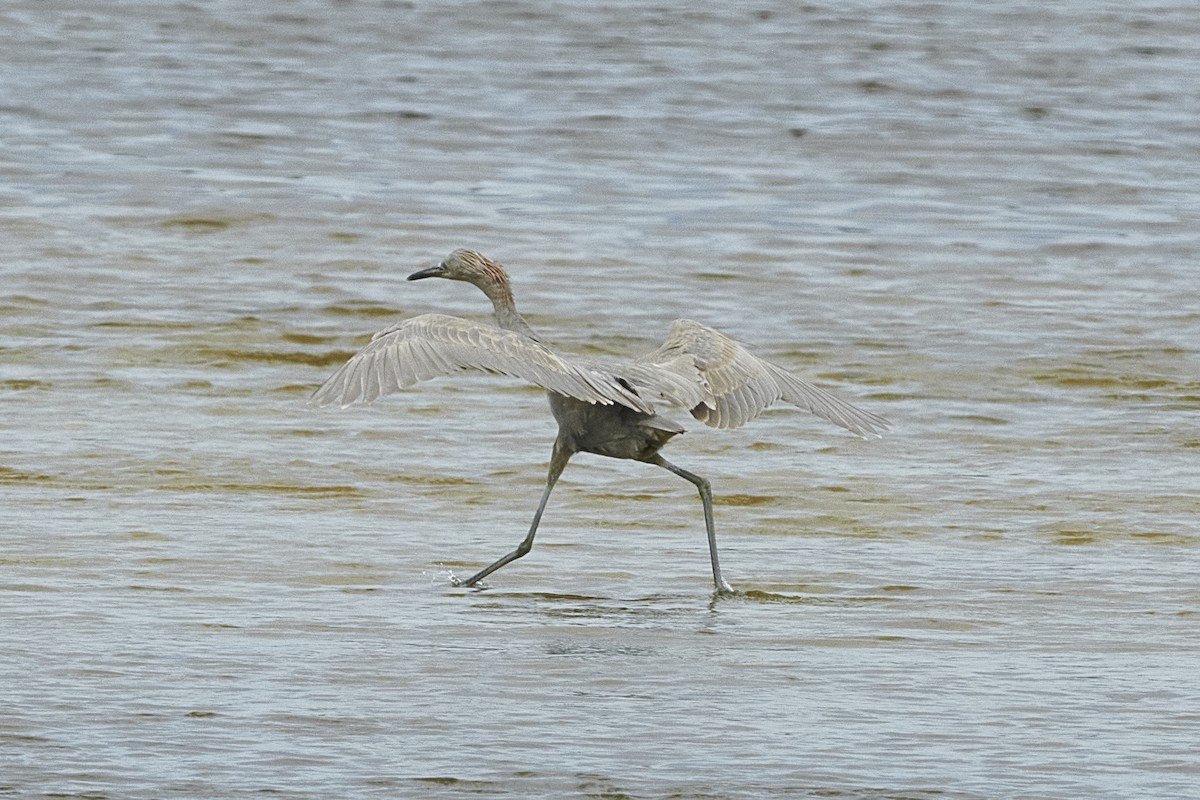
{"points": [[429, 345], [739, 386]]}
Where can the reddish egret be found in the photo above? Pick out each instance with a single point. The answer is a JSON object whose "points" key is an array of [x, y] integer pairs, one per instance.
{"points": [[602, 406]]}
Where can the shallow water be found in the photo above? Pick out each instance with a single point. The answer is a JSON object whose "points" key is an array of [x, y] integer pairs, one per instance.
{"points": [[978, 222]]}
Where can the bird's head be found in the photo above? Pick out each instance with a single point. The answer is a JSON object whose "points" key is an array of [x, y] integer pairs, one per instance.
{"points": [[466, 265]]}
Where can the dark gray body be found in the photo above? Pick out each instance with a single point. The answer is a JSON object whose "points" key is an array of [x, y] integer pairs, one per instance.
{"points": [[610, 430]]}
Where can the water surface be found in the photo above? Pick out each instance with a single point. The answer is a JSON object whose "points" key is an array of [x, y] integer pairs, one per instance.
{"points": [[979, 222]]}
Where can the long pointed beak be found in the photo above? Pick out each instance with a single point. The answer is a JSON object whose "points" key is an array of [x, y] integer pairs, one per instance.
{"points": [[432, 272]]}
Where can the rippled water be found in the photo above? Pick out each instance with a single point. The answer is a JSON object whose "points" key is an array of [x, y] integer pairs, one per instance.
{"points": [[978, 221]]}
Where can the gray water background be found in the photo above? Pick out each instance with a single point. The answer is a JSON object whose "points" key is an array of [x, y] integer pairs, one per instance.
{"points": [[979, 220]]}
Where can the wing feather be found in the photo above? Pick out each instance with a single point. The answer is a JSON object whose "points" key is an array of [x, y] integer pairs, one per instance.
{"points": [[738, 386], [697, 367], [675, 381], [430, 345]]}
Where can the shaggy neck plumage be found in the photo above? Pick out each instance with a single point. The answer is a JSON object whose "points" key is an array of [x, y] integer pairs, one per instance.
{"points": [[495, 286]]}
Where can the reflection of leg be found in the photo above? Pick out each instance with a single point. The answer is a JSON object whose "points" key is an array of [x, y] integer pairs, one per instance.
{"points": [[558, 460], [705, 497]]}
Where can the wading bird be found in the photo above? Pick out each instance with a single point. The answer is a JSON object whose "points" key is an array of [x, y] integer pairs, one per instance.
{"points": [[603, 406]]}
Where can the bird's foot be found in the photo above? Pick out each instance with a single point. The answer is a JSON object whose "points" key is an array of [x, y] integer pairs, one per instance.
{"points": [[469, 583]]}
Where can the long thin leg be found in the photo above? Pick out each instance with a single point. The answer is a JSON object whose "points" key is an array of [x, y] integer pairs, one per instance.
{"points": [[705, 497], [558, 461]]}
